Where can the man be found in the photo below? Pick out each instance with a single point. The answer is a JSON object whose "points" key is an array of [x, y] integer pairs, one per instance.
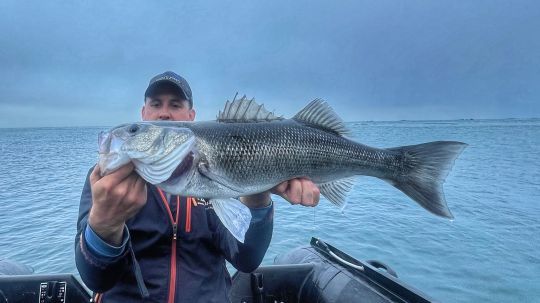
{"points": [[136, 243]]}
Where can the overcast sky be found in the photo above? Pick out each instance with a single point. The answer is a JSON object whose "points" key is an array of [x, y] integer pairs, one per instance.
{"points": [[77, 63]]}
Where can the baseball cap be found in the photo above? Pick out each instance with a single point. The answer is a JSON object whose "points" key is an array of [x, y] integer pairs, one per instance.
{"points": [[169, 77]]}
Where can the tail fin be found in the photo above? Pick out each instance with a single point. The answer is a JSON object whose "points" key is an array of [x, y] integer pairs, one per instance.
{"points": [[426, 167]]}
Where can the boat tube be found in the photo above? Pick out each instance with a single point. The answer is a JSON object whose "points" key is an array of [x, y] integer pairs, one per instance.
{"points": [[322, 273]]}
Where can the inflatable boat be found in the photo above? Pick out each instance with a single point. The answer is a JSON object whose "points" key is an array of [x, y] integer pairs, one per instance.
{"points": [[322, 273], [315, 273]]}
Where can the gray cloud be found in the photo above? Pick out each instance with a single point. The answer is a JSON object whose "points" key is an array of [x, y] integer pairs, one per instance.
{"points": [[88, 63]]}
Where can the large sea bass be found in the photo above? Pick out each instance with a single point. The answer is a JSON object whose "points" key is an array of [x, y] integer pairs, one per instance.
{"points": [[249, 150]]}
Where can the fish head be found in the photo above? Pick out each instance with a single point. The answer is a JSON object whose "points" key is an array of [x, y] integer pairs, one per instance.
{"points": [[157, 151]]}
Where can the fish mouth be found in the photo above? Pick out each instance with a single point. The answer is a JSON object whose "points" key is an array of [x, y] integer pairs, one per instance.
{"points": [[108, 163], [104, 142], [110, 155]]}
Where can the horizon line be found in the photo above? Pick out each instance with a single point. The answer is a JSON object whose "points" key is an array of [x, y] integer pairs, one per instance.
{"points": [[357, 121]]}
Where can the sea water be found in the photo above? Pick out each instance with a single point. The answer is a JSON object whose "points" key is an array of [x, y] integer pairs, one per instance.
{"points": [[489, 253]]}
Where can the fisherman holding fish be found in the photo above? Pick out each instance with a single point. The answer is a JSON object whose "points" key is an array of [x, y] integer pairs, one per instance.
{"points": [[136, 242]]}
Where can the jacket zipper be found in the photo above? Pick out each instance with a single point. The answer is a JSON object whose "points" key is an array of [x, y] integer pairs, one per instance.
{"points": [[174, 222], [189, 201]]}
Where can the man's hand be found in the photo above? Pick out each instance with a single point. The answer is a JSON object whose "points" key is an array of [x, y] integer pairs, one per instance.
{"points": [[115, 198], [299, 191], [296, 191]]}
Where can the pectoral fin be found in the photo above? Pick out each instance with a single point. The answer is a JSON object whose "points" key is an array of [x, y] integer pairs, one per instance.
{"points": [[205, 171], [234, 215]]}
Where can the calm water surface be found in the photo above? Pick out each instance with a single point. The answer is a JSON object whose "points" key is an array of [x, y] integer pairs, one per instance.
{"points": [[489, 253]]}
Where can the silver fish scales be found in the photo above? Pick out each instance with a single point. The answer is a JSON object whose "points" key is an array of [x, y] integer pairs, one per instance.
{"points": [[249, 150]]}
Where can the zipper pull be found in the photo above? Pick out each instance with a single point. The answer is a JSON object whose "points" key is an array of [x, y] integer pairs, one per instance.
{"points": [[175, 230]]}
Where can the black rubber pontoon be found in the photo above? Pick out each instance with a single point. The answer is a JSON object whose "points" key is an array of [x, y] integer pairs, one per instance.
{"points": [[322, 273]]}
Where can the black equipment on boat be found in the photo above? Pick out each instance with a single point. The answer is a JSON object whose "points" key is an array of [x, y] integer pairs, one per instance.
{"points": [[322, 273], [42, 289]]}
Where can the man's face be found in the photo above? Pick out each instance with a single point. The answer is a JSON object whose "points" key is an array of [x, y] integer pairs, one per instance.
{"points": [[167, 107]]}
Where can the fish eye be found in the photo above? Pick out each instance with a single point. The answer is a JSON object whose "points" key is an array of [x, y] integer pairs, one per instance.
{"points": [[132, 129]]}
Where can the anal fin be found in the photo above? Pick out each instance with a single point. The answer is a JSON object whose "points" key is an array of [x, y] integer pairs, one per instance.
{"points": [[336, 191]]}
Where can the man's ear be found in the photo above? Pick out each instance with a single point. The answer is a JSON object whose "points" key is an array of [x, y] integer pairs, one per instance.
{"points": [[142, 112], [192, 114]]}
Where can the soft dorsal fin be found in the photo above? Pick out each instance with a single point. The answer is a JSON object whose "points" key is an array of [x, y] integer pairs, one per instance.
{"points": [[245, 110], [319, 114]]}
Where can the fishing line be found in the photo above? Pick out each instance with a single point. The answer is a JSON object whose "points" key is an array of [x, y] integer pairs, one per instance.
{"points": [[313, 227]]}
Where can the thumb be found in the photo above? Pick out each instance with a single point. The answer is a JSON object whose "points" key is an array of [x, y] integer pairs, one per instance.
{"points": [[95, 175]]}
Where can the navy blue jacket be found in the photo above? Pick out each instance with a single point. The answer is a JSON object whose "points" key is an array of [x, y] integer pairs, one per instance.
{"points": [[192, 270]]}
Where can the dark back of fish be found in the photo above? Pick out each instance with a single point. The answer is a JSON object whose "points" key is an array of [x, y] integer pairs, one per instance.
{"points": [[270, 152]]}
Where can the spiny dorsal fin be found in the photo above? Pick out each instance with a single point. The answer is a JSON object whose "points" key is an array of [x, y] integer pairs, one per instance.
{"points": [[319, 114], [336, 191], [245, 110]]}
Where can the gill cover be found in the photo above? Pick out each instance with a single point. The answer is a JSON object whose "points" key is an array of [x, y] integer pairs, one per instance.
{"points": [[155, 151]]}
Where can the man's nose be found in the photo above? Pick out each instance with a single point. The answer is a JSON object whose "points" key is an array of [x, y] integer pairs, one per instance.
{"points": [[164, 115]]}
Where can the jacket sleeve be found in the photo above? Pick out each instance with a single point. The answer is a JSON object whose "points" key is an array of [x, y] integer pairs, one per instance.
{"points": [[98, 272], [247, 256]]}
